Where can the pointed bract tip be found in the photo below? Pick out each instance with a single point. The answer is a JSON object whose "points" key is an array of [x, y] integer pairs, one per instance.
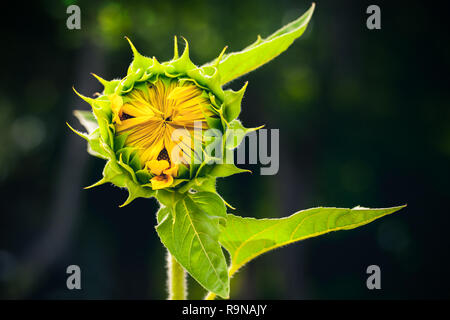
{"points": [[244, 87], [219, 58], [98, 183], [257, 128], [87, 99], [77, 132], [229, 205], [312, 8], [100, 79], [128, 201], [186, 48], [175, 48]]}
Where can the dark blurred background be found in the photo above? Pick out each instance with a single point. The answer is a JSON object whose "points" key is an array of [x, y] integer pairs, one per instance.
{"points": [[363, 118]]}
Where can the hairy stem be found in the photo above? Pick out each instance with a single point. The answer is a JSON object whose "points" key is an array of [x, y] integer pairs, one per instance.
{"points": [[176, 279]]}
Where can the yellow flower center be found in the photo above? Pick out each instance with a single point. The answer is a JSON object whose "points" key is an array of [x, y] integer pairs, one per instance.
{"points": [[149, 116]]}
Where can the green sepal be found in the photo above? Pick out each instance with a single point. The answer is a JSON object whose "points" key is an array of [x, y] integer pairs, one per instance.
{"points": [[226, 170], [136, 191], [236, 133], [130, 157], [139, 64], [232, 103], [109, 87], [115, 173], [143, 176], [182, 65], [119, 141]]}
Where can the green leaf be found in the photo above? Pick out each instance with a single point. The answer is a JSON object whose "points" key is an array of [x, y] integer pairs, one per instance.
{"points": [[247, 238], [190, 230], [236, 64], [225, 170], [87, 119]]}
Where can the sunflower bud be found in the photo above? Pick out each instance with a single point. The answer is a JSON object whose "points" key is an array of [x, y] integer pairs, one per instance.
{"points": [[147, 124]]}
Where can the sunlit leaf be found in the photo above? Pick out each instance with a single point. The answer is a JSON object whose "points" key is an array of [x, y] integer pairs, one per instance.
{"points": [[236, 64]]}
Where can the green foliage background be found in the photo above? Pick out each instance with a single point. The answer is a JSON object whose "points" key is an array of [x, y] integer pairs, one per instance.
{"points": [[363, 118]]}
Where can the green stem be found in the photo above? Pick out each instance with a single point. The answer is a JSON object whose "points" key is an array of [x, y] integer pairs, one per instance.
{"points": [[176, 279]]}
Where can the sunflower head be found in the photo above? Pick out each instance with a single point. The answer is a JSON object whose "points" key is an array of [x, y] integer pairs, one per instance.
{"points": [[150, 125]]}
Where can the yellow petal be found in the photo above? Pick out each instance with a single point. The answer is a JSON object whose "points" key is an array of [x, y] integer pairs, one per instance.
{"points": [[157, 167], [154, 113], [116, 102], [161, 182], [172, 171], [116, 105]]}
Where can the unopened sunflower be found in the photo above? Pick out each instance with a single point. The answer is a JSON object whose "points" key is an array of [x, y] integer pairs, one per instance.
{"points": [[148, 124]]}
